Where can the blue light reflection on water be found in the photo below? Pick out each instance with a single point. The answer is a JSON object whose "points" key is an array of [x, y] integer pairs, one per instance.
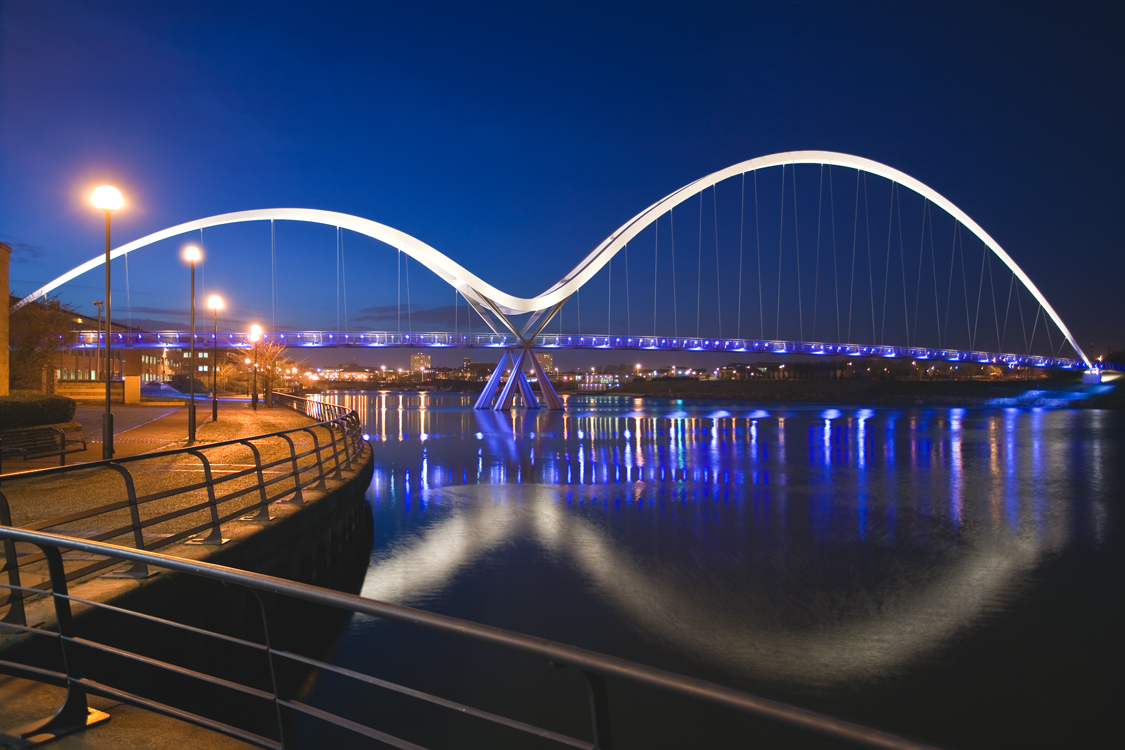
{"points": [[710, 533]]}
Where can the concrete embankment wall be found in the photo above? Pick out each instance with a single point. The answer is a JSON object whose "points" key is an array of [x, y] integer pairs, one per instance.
{"points": [[326, 542]]}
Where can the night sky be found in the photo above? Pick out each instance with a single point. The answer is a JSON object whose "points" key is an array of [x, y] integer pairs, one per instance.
{"points": [[514, 138]]}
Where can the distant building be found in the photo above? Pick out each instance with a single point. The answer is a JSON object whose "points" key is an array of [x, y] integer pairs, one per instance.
{"points": [[419, 362], [547, 362]]}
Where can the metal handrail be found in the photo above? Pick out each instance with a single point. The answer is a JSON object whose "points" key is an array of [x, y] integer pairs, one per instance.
{"points": [[595, 667], [321, 461]]}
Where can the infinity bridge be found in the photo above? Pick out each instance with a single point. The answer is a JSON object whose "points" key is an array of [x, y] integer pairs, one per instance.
{"points": [[837, 304]]}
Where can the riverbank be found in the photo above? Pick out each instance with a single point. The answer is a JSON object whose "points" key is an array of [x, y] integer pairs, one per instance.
{"points": [[1060, 391], [313, 541]]}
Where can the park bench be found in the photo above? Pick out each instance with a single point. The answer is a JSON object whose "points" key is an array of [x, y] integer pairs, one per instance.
{"points": [[38, 442]]}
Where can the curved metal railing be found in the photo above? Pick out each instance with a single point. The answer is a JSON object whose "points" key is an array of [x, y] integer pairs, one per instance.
{"points": [[308, 457], [599, 670]]}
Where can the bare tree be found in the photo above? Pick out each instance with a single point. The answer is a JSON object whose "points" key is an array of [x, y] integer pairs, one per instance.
{"points": [[39, 332]]}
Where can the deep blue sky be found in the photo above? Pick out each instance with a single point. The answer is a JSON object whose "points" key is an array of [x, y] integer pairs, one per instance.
{"points": [[515, 137]]}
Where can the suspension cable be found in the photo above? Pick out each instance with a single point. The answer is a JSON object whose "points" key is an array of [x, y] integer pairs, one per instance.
{"points": [[835, 266], [1023, 323], [797, 246], [965, 286], [949, 290], [933, 265], [718, 276], [609, 300], [980, 290], [870, 270], [918, 283], [1007, 311], [855, 236], [398, 288], [655, 260], [409, 312], [992, 288], [628, 312], [780, 241], [675, 310], [699, 266], [758, 235], [902, 262], [337, 281], [343, 278], [816, 263], [741, 224], [887, 266]]}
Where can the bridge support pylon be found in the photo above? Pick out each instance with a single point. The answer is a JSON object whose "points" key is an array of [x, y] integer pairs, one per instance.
{"points": [[518, 380]]}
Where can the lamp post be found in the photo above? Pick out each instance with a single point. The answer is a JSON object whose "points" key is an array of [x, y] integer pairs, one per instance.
{"points": [[215, 302], [255, 334], [191, 255], [108, 199]]}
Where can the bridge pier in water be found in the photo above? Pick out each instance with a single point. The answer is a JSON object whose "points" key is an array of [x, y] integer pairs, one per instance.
{"points": [[517, 380]]}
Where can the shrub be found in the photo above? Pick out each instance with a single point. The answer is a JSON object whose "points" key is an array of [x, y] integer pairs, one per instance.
{"points": [[179, 381], [33, 410]]}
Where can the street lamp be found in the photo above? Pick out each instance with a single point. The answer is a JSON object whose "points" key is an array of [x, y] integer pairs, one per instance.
{"points": [[215, 302], [191, 255], [108, 199], [255, 335]]}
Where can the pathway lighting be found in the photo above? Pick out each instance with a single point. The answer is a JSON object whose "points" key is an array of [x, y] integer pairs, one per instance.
{"points": [[108, 199], [215, 302], [255, 336], [191, 255]]}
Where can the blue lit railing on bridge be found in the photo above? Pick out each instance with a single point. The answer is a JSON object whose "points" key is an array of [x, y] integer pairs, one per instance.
{"points": [[380, 339]]}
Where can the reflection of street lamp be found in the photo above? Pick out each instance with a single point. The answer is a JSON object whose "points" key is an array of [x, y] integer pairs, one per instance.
{"points": [[255, 335], [215, 303], [191, 255], [109, 200]]}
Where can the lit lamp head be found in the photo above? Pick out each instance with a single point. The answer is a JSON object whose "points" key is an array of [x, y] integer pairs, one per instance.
{"points": [[255, 332], [191, 254], [107, 198], [215, 302]]}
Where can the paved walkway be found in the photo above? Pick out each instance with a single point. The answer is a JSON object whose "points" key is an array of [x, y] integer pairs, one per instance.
{"points": [[141, 429]]}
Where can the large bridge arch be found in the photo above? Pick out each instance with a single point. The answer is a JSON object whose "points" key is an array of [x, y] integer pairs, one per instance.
{"points": [[609, 247], [447, 269], [486, 297]]}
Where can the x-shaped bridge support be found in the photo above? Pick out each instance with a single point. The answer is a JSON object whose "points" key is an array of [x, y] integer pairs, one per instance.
{"points": [[518, 356]]}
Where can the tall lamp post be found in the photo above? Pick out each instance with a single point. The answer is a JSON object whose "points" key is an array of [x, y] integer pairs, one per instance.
{"points": [[108, 199], [191, 255], [215, 302], [255, 335]]}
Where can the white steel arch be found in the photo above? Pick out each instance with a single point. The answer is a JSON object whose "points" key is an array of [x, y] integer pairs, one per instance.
{"points": [[486, 296], [447, 269], [609, 247]]}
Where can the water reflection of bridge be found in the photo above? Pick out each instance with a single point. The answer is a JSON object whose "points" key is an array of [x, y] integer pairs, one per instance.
{"points": [[971, 501]]}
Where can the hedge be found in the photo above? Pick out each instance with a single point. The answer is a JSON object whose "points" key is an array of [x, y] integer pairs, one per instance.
{"points": [[34, 410]]}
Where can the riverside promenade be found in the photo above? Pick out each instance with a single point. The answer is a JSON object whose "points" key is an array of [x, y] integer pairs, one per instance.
{"points": [[38, 500]]}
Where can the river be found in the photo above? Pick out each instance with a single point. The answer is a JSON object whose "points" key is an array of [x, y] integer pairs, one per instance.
{"points": [[951, 575]]}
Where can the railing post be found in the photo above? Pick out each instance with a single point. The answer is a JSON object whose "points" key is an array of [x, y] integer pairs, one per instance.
{"points": [[298, 498], [75, 714], [139, 569], [215, 538], [271, 630], [16, 614], [599, 707], [319, 461], [335, 450], [263, 514]]}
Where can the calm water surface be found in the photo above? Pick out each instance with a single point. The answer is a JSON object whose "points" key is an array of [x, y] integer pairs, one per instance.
{"points": [[953, 575]]}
